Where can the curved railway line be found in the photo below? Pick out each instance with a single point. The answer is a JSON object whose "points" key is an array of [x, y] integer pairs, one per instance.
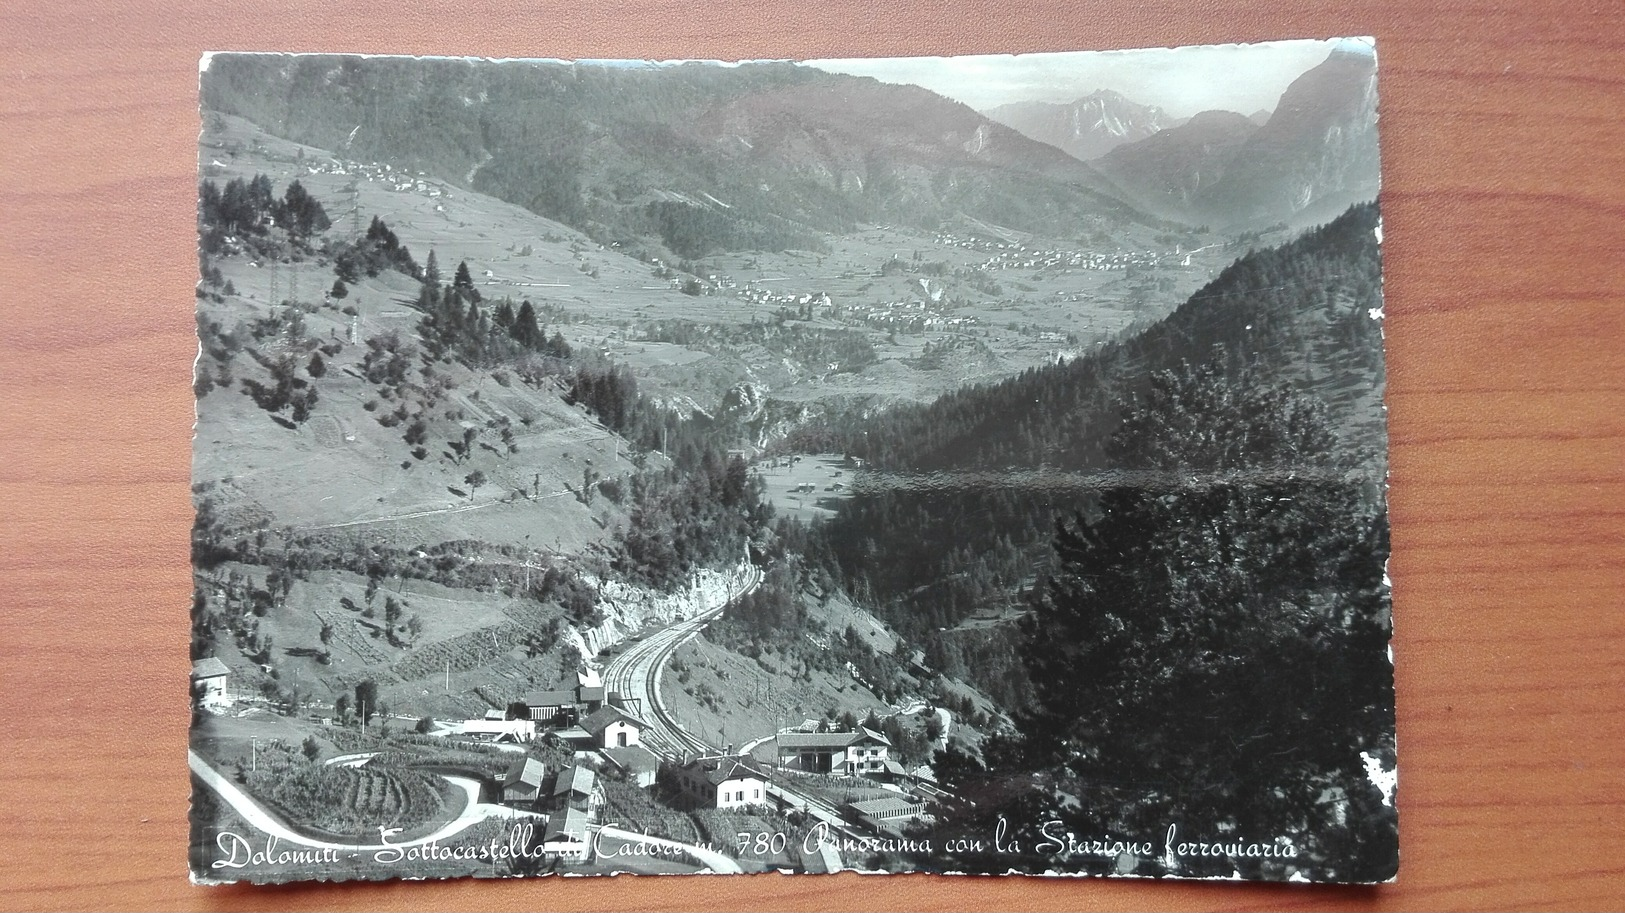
{"points": [[637, 672]]}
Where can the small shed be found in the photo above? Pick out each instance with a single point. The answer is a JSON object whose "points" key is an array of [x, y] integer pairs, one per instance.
{"points": [[577, 787], [565, 836], [522, 785]]}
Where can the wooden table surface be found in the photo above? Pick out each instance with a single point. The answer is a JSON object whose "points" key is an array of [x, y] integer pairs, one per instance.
{"points": [[1503, 143]]}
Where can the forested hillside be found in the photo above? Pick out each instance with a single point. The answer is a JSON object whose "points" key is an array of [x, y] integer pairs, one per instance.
{"points": [[1212, 655], [1195, 579], [962, 494]]}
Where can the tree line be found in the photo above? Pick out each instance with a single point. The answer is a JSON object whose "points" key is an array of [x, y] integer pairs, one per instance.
{"points": [[251, 207]]}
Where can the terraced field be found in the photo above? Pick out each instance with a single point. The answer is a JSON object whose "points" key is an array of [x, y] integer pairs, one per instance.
{"points": [[357, 801]]}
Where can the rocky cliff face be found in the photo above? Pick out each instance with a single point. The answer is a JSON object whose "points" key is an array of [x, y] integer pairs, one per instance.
{"points": [[1318, 150], [1312, 157], [629, 609]]}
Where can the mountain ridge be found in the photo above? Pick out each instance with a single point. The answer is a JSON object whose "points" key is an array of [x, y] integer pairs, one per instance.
{"points": [[1167, 172], [1312, 156], [776, 153], [1088, 127]]}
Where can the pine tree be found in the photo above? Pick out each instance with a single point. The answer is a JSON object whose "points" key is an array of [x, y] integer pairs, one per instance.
{"points": [[524, 329], [431, 272]]}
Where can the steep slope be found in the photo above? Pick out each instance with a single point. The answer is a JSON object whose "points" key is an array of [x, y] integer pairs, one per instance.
{"points": [[349, 467], [1168, 171], [758, 156], [1318, 152], [1088, 128]]}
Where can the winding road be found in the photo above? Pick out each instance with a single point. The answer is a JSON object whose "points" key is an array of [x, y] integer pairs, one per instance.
{"points": [[473, 812]]}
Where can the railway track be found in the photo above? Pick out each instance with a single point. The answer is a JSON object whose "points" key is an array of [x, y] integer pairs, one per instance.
{"points": [[637, 672]]}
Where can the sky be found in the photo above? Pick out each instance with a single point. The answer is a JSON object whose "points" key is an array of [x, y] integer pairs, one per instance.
{"points": [[1181, 81]]}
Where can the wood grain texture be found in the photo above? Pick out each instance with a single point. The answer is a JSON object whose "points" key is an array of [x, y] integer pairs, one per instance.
{"points": [[1503, 141]]}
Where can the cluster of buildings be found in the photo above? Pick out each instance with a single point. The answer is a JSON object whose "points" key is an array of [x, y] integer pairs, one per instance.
{"points": [[564, 706], [1011, 255], [605, 734], [755, 293], [399, 180], [571, 798], [908, 317], [603, 731], [1022, 258]]}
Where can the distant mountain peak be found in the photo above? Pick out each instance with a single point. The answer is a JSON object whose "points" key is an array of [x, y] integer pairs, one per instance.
{"points": [[1318, 151], [1088, 127], [1308, 159], [1107, 96]]}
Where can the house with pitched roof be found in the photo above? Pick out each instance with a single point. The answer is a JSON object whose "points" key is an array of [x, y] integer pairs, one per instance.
{"points": [[209, 676], [860, 753], [577, 787], [721, 782], [522, 784], [612, 727]]}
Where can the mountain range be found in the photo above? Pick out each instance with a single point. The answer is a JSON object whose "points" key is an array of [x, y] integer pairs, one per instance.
{"points": [[699, 158], [1088, 128], [754, 156], [1303, 163]]}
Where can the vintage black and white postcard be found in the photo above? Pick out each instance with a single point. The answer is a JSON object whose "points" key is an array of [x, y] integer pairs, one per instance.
{"points": [[968, 465]]}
